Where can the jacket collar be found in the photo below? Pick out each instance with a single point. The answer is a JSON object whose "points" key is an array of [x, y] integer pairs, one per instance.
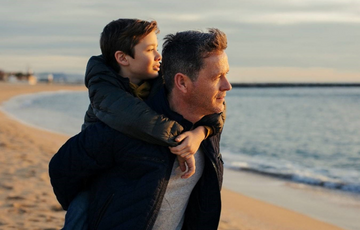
{"points": [[159, 102]]}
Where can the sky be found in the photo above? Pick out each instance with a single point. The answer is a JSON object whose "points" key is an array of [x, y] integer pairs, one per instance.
{"points": [[268, 41]]}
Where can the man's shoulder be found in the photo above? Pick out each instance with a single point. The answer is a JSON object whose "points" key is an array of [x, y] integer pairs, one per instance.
{"points": [[102, 133], [213, 142]]}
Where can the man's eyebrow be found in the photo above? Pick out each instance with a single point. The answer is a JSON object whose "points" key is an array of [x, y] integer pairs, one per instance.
{"points": [[225, 72]]}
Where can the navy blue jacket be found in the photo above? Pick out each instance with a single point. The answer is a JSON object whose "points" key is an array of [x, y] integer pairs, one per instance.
{"points": [[128, 177]]}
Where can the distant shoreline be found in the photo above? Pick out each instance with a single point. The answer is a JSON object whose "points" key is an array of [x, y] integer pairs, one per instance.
{"points": [[283, 85]]}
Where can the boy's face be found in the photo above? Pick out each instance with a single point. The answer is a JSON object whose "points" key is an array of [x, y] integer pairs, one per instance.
{"points": [[146, 62]]}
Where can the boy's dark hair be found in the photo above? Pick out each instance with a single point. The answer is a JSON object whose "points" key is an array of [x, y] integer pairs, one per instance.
{"points": [[123, 35], [184, 52]]}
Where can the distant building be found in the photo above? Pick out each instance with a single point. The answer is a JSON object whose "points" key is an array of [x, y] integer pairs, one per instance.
{"points": [[31, 79], [12, 79], [2, 75], [19, 77], [50, 78]]}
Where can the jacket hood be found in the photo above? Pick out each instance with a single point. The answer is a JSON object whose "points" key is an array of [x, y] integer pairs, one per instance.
{"points": [[96, 66]]}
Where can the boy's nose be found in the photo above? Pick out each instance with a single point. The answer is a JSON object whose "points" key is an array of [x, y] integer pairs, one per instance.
{"points": [[158, 56]]}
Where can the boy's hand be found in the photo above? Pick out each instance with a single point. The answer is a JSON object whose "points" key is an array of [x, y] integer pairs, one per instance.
{"points": [[190, 162], [190, 142]]}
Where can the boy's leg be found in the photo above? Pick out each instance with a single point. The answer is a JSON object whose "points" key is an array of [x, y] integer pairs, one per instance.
{"points": [[76, 215]]}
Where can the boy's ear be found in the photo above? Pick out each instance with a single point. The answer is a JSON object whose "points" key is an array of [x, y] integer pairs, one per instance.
{"points": [[181, 81], [121, 58]]}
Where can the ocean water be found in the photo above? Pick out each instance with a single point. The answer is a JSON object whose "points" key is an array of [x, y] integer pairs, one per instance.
{"points": [[307, 135], [61, 112]]}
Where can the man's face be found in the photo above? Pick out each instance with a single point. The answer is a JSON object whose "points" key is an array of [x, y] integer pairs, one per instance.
{"points": [[146, 62], [207, 93]]}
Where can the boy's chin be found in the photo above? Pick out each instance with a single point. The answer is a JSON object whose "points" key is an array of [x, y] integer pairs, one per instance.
{"points": [[154, 75]]}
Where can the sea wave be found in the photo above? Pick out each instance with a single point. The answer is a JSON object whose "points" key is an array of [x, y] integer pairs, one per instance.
{"points": [[299, 176]]}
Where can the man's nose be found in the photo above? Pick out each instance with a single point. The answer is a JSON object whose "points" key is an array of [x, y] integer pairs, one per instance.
{"points": [[225, 85]]}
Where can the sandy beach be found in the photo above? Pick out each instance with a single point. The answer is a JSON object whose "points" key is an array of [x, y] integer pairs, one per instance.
{"points": [[27, 200]]}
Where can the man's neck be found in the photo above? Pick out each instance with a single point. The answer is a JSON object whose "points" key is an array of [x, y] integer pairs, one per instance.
{"points": [[178, 105]]}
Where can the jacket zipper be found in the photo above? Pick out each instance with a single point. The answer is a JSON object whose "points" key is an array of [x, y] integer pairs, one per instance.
{"points": [[220, 158]]}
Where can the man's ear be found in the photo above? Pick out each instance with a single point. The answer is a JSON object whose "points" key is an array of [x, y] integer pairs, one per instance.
{"points": [[121, 58], [181, 81]]}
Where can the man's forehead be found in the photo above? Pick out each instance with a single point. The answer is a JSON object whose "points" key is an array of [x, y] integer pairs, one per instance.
{"points": [[217, 61]]}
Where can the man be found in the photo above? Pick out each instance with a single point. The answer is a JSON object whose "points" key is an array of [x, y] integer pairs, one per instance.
{"points": [[137, 185]]}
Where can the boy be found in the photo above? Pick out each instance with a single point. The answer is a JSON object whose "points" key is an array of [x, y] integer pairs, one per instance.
{"points": [[111, 90], [119, 80]]}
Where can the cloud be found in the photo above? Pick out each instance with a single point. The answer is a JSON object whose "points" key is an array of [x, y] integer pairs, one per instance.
{"points": [[302, 17], [261, 33]]}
